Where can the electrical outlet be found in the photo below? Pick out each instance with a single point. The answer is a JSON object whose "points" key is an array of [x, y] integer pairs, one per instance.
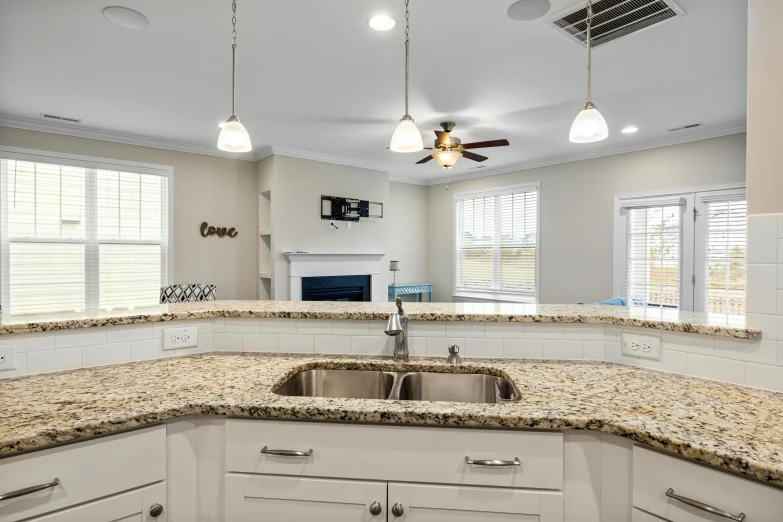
{"points": [[642, 346], [174, 338], [7, 357]]}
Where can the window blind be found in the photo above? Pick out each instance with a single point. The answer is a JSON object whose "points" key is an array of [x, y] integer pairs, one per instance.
{"points": [[726, 234], [654, 256], [497, 244], [75, 238]]}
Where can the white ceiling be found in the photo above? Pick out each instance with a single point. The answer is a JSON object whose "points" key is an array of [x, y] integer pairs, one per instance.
{"points": [[313, 77]]}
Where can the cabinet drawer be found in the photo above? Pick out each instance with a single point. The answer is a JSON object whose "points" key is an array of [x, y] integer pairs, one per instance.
{"points": [[86, 471], [654, 474], [399, 453], [640, 516]]}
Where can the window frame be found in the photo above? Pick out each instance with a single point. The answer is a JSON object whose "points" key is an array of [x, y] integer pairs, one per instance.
{"points": [[692, 233], [479, 296], [91, 241]]}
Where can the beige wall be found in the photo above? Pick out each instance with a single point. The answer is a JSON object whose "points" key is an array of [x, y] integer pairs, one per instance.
{"points": [[217, 190], [765, 107], [407, 238], [577, 210]]}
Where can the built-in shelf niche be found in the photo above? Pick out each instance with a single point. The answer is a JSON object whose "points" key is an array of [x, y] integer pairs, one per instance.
{"points": [[265, 266]]}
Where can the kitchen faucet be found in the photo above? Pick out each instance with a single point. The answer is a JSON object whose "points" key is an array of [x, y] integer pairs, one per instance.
{"points": [[397, 327]]}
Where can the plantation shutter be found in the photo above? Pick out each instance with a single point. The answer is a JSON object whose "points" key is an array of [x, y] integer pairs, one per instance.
{"points": [[75, 238], [654, 254], [725, 241], [497, 244]]}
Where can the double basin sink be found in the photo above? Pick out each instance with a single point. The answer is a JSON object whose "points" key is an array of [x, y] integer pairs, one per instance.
{"points": [[400, 386]]}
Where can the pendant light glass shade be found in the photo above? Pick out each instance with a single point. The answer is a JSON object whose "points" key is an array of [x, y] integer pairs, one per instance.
{"points": [[448, 158], [407, 137], [589, 126], [234, 138]]}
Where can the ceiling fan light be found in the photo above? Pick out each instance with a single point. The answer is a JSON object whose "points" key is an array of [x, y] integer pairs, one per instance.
{"points": [[589, 126], [407, 137], [447, 158], [234, 138]]}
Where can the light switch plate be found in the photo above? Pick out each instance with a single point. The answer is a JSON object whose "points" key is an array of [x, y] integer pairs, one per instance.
{"points": [[175, 338], [7, 357], [642, 346]]}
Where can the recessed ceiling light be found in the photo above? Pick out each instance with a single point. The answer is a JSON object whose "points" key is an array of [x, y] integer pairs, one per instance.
{"points": [[382, 23], [630, 130], [125, 17], [527, 10]]}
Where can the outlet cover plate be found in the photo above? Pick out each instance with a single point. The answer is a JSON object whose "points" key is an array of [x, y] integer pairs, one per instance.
{"points": [[175, 338], [7, 357], [642, 346]]}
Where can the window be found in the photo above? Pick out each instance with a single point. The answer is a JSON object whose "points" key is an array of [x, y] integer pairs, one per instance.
{"points": [[497, 244], [682, 251], [79, 234]]}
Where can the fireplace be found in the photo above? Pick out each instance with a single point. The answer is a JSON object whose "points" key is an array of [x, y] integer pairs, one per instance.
{"points": [[336, 288], [334, 273]]}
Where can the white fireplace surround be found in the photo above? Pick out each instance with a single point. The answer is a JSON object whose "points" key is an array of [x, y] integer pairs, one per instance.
{"points": [[320, 264]]}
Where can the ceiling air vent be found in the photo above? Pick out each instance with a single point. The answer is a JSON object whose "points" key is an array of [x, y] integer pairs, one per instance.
{"points": [[60, 118], [685, 127], [613, 19]]}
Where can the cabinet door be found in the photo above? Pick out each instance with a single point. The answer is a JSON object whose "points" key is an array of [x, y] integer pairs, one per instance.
{"points": [[272, 499], [421, 503], [127, 507]]}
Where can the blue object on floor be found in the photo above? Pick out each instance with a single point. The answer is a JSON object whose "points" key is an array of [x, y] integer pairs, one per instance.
{"points": [[614, 301]]}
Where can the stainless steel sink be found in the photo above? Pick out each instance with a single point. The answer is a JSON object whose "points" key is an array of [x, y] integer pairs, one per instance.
{"points": [[346, 384], [402, 386], [456, 387]]}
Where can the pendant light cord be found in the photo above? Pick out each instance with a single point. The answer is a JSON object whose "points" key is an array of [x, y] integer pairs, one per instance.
{"points": [[407, 52], [233, 58], [589, 50]]}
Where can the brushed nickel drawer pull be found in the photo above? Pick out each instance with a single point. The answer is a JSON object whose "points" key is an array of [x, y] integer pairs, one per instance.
{"points": [[705, 507], [30, 490], [286, 453], [494, 463]]}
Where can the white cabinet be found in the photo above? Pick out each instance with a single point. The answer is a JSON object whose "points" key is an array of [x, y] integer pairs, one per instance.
{"points": [[303, 499], [135, 506], [276, 498], [433, 503]]}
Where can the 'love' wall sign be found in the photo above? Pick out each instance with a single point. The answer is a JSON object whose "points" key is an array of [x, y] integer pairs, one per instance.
{"points": [[207, 231]]}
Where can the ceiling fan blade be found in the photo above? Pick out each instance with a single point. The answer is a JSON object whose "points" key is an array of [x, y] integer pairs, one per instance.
{"points": [[485, 144], [425, 160], [473, 156]]}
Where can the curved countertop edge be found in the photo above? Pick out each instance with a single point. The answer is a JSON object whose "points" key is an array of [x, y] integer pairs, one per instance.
{"points": [[669, 320], [274, 407]]}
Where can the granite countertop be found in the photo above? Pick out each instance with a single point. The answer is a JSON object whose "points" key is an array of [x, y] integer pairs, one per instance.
{"points": [[728, 426], [670, 320]]}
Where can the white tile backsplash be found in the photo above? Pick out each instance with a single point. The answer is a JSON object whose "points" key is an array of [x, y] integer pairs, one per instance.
{"points": [[259, 343], [762, 238], [689, 343], [464, 329], [371, 345], [54, 360], [523, 348], [427, 329], [543, 331], [764, 352], [149, 349], [33, 342], [563, 349], [613, 353], [126, 334], [439, 346], [332, 343], [228, 341], [241, 326], [103, 354], [504, 330], [295, 343], [83, 337], [764, 376], [716, 368], [780, 275], [584, 332], [671, 361], [482, 348], [351, 327], [761, 288], [594, 350], [314, 326], [768, 324], [278, 326], [20, 370]]}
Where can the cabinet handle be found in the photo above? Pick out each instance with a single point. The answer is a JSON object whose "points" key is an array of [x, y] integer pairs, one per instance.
{"points": [[375, 508], [494, 463], [286, 453], [156, 510], [30, 490], [705, 507], [397, 510]]}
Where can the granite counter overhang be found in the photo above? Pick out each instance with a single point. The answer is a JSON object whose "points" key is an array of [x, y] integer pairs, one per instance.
{"points": [[665, 320], [731, 427]]}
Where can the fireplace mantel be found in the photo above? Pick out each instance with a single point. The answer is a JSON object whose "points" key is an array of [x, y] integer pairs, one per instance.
{"points": [[316, 264]]}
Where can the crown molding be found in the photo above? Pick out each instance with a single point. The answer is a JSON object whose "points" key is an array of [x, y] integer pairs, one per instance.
{"points": [[664, 141], [264, 152], [76, 130], [326, 158]]}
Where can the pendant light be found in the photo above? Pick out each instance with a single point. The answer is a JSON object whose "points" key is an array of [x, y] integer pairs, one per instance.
{"points": [[233, 137], [407, 137], [589, 126]]}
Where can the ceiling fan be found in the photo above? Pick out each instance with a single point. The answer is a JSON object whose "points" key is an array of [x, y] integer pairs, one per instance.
{"points": [[448, 149]]}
